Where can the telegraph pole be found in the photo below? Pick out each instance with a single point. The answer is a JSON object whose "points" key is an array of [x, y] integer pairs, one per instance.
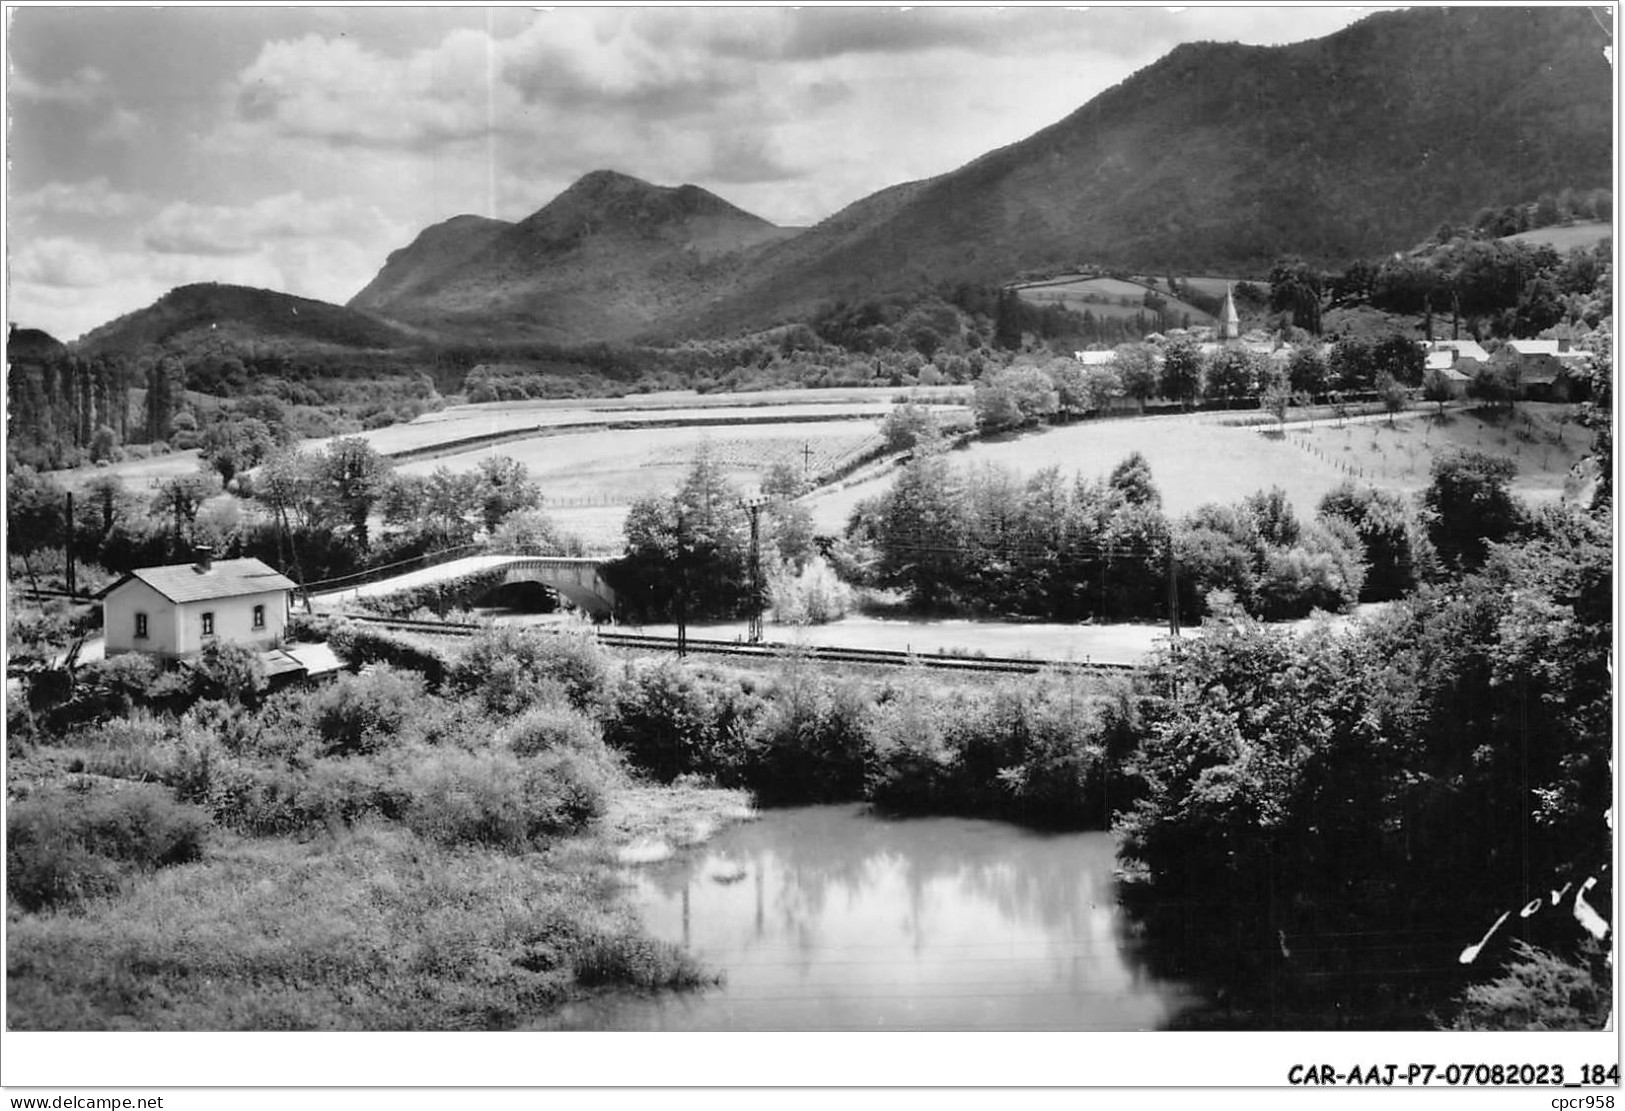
{"points": [[682, 583], [67, 547], [1173, 591], [753, 506]]}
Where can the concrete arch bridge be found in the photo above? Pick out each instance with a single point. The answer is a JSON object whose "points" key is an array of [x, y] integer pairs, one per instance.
{"points": [[576, 579]]}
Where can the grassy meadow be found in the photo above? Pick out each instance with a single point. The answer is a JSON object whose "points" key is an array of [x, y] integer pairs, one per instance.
{"points": [[1103, 297], [1199, 458], [1565, 237]]}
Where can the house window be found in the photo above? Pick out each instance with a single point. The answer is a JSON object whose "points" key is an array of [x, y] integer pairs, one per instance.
{"points": [[208, 624], [140, 626], [259, 617]]}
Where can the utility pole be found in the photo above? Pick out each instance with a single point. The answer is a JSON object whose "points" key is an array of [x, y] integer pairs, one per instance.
{"points": [[806, 460], [682, 584], [753, 506], [1173, 591], [67, 546]]}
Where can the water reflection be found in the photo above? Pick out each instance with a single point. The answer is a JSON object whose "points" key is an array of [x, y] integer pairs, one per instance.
{"points": [[828, 918]]}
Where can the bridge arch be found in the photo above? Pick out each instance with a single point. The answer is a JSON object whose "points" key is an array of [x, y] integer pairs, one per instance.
{"points": [[577, 580]]}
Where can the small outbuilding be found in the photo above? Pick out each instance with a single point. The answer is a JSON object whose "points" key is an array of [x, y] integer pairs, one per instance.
{"points": [[179, 609]]}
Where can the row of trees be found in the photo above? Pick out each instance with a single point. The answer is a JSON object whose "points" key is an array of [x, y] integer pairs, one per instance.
{"points": [[310, 513], [987, 540], [1493, 287], [1032, 390]]}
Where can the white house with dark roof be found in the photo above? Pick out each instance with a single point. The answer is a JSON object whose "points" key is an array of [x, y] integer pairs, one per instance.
{"points": [[177, 610]]}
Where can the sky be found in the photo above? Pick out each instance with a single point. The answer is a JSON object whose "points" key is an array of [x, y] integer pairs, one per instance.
{"points": [[293, 148]]}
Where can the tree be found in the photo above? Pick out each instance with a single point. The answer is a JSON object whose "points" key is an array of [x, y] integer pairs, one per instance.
{"points": [[1014, 397], [1136, 365], [1007, 321], [529, 532], [1276, 397], [904, 427], [1393, 395], [1497, 383], [1401, 358], [1437, 389], [1296, 287], [1469, 505], [351, 477], [686, 553], [920, 533], [1352, 365], [1181, 370], [1273, 518], [1306, 371], [181, 497], [234, 445], [502, 485], [451, 507], [1231, 375], [1131, 480], [35, 513], [1395, 552], [103, 445]]}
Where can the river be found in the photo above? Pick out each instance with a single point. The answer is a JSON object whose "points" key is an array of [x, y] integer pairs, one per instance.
{"points": [[831, 918]]}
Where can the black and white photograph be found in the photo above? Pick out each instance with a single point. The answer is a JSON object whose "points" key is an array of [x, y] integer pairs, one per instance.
{"points": [[589, 523]]}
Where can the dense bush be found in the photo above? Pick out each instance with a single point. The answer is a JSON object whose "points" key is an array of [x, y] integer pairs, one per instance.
{"points": [[816, 596], [1038, 751], [1541, 991], [498, 800], [64, 847], [509, 669], [546, 728], [813, 742], [359, 645], [671, 720], [363, 713]]}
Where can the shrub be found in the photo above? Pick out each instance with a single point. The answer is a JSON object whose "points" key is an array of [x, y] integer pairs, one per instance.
{"points": [[548, 728], [670, 720], [1541, 991], [496, 799], [912, 762], [227, 671], [362, 713], [359, 646], [102, 690], [131, 748], [1324, 572], [813, 744], [814, 597], [63, 847], [630, 960], [510, 669]]}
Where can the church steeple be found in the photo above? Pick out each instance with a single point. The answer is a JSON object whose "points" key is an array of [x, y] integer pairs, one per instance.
{"points": [[1229, 321]]}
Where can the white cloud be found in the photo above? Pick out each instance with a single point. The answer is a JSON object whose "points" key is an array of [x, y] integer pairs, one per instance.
{"points": [[87, 86], [58, 262], [336, 91], [186, 228], [95, 197]]}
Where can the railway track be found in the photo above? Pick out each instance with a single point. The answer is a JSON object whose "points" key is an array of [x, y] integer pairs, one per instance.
{"points": [[1007, 665]]}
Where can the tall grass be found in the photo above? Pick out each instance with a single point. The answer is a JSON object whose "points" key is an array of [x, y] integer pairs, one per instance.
{"points": [[375, 929]]}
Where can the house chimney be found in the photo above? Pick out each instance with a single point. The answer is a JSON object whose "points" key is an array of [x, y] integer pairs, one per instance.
{"points": [[1563, 344], [205, 559]]}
